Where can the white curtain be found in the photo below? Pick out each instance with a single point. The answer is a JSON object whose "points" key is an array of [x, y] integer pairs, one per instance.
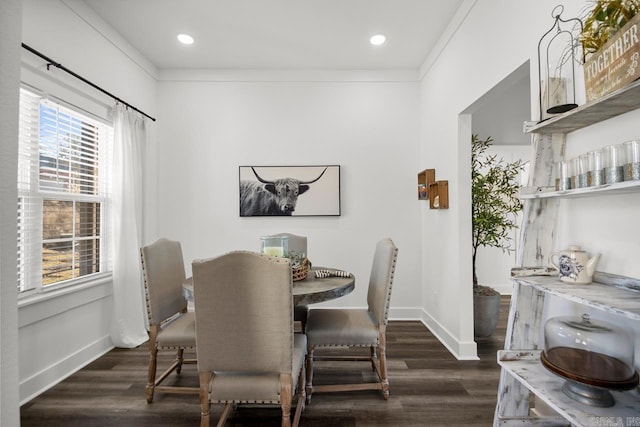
{"points": [[130, 141]]}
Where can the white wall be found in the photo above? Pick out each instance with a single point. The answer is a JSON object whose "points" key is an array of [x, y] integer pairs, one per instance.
{"points": [[9, 104], [59, 332], [206, 129], [478, 56], [501, 116]]}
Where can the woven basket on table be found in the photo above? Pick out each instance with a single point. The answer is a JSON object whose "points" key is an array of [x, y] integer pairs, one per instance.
{"points": [[299, 272]]}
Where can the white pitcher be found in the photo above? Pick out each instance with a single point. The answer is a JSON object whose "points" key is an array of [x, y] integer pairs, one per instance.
{"points": [[574, 264]]}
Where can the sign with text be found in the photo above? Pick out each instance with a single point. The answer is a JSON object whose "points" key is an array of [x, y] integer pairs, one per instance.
{"points": [[616, 64]]}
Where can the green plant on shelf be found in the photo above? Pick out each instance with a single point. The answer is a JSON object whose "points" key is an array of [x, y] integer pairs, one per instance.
{"points": [[604, 20]]}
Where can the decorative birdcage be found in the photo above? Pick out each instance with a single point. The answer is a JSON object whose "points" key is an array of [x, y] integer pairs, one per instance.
{"points": [[556, 65]]}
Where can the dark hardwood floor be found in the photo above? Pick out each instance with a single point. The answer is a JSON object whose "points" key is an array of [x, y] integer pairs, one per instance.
{"points": [[429, 387]]}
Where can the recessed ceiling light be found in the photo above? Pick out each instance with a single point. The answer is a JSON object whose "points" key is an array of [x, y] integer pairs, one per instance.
{"points": [[378, 39], [185, 38]]}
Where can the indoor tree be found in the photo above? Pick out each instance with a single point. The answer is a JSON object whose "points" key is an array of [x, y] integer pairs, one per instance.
{"points": [[494, 202]]}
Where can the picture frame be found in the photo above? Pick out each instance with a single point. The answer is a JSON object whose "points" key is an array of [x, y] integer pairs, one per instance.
{"points": [[289, 190]]}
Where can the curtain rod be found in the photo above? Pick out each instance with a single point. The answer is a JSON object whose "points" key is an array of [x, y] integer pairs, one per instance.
{"points": [[93, 85]]}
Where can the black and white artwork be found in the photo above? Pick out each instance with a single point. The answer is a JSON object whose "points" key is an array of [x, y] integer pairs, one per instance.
{"points": [[290, 190]]}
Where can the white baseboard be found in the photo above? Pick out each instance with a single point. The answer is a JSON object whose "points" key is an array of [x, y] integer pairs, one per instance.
{"points": [[47, 378], [405, 313], [459, 349]]}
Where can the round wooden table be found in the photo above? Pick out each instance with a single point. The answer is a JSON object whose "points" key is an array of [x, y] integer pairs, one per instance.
{"points": [[308, 291], [313, 290]]}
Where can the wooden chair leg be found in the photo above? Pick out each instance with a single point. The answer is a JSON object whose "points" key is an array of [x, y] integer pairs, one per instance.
{"points": [[384, 381], [225, 415], [203, 395], [151, 374], [374, 356], [179, 359], [286, 385], [309, 369], [301, 397]]}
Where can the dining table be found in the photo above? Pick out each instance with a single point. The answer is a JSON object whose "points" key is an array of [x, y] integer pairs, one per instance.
{"points": [[310, 290]]}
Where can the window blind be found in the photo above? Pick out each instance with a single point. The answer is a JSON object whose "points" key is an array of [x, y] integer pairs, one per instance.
{"points": [[29, 206], [63, 190]]}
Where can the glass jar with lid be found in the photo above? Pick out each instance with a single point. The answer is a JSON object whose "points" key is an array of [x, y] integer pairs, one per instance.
{"points": [[275, 245], [592, 355]]}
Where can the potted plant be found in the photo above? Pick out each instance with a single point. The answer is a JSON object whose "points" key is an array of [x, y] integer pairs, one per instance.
{"points": [[604, 20], [494, 203]]}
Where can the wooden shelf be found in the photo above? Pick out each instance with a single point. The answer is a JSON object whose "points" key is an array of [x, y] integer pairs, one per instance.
{"points": [[614, 297], [620, 187], [614, 104], [436, 192], [439, 195], [425, 179], [525, 366]]}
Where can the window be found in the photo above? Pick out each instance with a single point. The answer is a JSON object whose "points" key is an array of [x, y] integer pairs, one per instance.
{"points": [[63, 193]]}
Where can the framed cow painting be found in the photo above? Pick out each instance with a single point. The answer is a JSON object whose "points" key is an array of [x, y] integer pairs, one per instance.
{"points": [[290, 190]]}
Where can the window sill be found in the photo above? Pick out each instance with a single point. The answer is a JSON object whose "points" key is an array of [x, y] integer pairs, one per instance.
{"points": [[62, 290]]}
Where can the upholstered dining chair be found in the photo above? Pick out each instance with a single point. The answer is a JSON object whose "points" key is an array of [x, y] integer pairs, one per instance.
{"points": [[298, 244], [247, 351], [171, 327], [357, 327]]}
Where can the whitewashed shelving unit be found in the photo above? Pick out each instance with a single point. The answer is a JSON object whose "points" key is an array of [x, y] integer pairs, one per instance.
{"points": [[617, 188], [527, 369], [522, 374], [608, 293]]}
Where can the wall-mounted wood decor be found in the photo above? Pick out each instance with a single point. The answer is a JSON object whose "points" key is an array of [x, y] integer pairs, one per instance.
{"points": [[439, 195], [425, 178], [436, 192]]}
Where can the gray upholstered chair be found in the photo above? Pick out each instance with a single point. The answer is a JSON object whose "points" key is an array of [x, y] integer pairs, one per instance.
{"points": [[170, 326], [247, 351], [298, 244], [357, 327]]}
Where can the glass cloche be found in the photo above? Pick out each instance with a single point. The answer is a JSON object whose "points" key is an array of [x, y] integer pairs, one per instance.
{"points": [[275, 245], [593, 356]]}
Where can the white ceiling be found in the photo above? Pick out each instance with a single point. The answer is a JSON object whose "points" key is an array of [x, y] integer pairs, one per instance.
{"points": [[280, 34]]}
